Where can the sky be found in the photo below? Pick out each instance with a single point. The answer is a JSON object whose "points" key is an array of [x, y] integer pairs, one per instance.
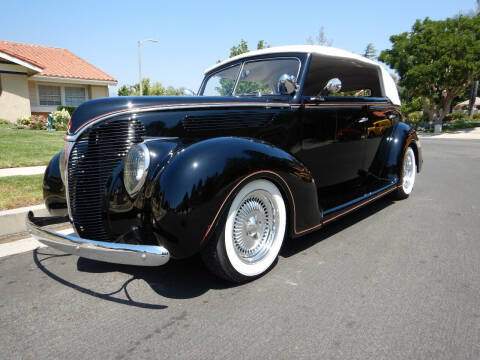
{"points": [[193, 35]]}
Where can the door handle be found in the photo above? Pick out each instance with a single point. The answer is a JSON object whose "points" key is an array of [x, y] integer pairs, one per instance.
{"points": [[362, 120]]}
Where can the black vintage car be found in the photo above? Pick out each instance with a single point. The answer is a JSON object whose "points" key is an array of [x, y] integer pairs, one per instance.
{"points": [[277, 143]]}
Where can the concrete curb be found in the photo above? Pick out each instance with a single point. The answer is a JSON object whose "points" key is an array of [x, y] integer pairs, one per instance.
{"points": [[28, 170], [24, 245], [13, 221]]}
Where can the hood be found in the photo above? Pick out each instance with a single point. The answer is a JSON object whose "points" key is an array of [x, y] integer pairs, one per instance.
{"points": [[93, 109]]}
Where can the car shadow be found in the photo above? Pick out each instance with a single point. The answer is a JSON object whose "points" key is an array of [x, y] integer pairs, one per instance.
{"points": [[188, 278], [178, 279], [295, 246]]}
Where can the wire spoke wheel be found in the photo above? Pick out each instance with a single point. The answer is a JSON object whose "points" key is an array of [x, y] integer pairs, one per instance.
{"points": [[252, 235], [254, 226]]}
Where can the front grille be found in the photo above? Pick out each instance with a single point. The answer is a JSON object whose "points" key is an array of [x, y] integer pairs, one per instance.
{"points": [[92, 160], [226, 121]]}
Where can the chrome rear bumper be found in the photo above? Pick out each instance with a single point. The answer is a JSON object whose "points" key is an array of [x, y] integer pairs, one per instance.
{"points": [[143, 255]]}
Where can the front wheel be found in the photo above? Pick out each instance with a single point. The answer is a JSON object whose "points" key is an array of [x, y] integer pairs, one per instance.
{"points": [[252, 235], [409, 170]]}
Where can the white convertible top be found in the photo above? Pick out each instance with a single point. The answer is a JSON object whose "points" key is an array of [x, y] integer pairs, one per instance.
{"points": [[387, 83]]}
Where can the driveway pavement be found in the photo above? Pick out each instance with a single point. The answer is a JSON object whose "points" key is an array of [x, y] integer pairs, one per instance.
{"points": [[395, 280]]}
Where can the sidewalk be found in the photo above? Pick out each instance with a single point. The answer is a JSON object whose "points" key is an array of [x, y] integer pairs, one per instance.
{"points": [[29, 170], [470, 134]]}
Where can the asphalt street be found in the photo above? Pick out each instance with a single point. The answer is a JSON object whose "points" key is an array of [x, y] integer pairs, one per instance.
{"points": [[394, 280]]}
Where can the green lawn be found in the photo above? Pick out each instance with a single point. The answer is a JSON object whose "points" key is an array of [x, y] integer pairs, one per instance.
{"points": [[28, 147], [18, 191]]}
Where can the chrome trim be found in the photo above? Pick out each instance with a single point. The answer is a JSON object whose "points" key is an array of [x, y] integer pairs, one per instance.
{"points": [[164, 107], [69, 145], [361, 198], [239, 75], [142, 255]]}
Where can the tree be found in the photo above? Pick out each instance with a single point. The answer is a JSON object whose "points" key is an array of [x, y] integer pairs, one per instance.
{"points": [[243, 47], [474, 86], [321, 38], [156, 89], [370, 52], [436, 61]]}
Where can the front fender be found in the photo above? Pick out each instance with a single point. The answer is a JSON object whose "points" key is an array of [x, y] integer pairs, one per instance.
{"points": [[193, 189], [54, 189]]}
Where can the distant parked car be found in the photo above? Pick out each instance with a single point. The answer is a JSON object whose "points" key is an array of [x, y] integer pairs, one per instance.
{"points": [[263, 153]]}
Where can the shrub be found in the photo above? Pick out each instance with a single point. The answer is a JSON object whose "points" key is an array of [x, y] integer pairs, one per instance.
{"points": [[476, 116], [4, 122], [34, 122], [414, 117], [24, 122], [60, 119], [39, 122], [70, 109], [455, 116]]}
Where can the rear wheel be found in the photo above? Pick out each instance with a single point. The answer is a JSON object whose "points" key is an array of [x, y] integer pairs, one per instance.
{"points": [[409, 170], [252, 235]]}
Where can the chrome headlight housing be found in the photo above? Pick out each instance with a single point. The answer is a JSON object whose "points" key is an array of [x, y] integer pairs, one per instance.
{"points": [[136, 168]]}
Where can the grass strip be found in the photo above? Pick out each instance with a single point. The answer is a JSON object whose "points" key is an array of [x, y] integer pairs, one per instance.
{"points": [[19, 191], [28, 147]]}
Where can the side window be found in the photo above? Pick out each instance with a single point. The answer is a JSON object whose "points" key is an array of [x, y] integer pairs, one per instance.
{"points": [[358, 79]]}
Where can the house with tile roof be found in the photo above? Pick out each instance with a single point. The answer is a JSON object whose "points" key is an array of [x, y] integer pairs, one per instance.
{"points": [[37, 79]]}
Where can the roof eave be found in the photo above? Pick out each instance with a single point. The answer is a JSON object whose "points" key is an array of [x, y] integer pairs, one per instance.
{"points": [[33, 68], [45, 78]]}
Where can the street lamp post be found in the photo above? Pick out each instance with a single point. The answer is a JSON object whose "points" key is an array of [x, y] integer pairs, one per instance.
{"points": [[140, 42]]}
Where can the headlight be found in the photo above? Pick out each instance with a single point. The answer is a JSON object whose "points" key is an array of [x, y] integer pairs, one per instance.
{"points": [[136, 168], [61, 165]]}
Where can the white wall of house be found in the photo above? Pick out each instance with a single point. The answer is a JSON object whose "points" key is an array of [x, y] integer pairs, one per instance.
{"points": [[14, 96], [35, 89], [98, 91]]}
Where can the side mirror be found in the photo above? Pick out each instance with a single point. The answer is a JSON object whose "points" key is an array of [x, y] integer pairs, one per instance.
{"points": [[333, 86], [287, 84], [188, 92]]}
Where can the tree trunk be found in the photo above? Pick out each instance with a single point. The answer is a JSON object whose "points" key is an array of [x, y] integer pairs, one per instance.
{"points": [[473, 97], [436, 112]]}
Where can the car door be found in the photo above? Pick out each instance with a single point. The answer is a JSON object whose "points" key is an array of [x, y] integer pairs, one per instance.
{"points": [[333, 148]]}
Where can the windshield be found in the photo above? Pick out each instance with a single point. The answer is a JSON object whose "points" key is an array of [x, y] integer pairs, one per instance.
{"points": [[256, 78]]}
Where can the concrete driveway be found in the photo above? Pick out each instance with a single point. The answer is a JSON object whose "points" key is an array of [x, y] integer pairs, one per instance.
{"points": [[395, 280]]}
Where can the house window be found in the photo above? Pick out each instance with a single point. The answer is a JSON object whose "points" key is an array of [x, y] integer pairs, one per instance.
{"points": [[49, 95], [74, 96]]}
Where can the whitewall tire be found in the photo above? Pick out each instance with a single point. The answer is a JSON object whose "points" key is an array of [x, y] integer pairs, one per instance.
{"points": [[252, 235], [408, 173]]}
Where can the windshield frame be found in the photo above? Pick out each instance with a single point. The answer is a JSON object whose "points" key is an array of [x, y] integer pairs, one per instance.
{"points": [[242, 64]]}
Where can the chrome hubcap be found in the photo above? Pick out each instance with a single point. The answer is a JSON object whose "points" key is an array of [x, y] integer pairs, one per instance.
{"points": [[254, 226]]}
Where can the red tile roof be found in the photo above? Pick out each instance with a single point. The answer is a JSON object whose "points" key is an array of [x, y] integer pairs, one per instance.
{"points": [[54, 61]]}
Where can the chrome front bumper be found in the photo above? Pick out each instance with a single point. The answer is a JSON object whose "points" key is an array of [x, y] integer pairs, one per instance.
{"points": [[143, 255]]}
